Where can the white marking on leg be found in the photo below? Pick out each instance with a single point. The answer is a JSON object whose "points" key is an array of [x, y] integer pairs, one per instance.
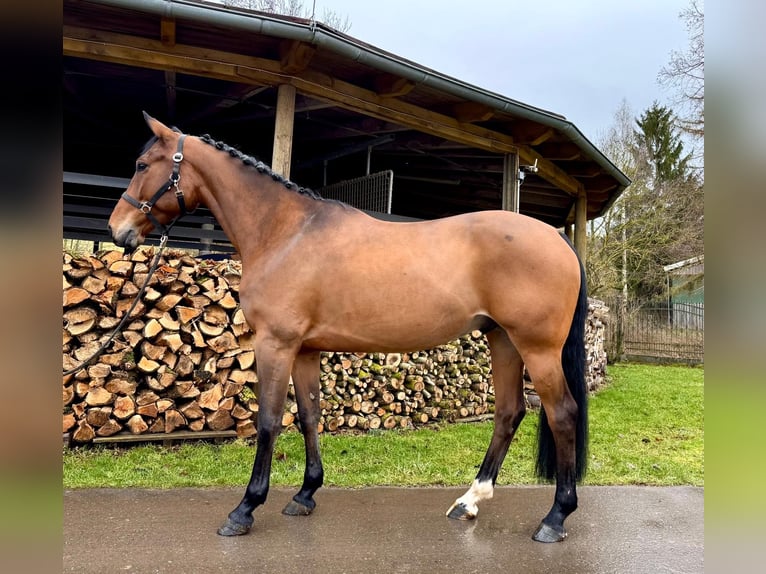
{"points": [[470, 500]]}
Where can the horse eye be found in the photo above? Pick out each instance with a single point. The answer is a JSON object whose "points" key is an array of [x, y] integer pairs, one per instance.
{"points": [[140, 166]]}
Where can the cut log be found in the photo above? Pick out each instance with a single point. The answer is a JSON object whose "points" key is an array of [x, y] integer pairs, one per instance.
{"points": [[147, 365], [98, 416], [124, 408], [99, 396], [192, 410], [173, 420], [99, 371], [222, 343], [196, 425], [158, 426], [240, 413], [209, 399], [163, 405], [242, 377], [68, 395], [215, 315], [167, 302], [83, 433], [210, 330], [187, 314], [146, 398], [184, 366], [151, 351], [137, 425], [149, 410], [69, 421], [121, 267], [220, 420], [75, 296], [152, 329], [120, 386], [93, 285], [245, 429], [246, 359], [109, 428], [228, 301]]}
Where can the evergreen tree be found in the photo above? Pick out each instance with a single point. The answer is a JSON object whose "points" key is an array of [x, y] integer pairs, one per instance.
{"points": [[660, 143]]}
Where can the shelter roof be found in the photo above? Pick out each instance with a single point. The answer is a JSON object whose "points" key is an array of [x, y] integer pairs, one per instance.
{"points": [[210, 69]]}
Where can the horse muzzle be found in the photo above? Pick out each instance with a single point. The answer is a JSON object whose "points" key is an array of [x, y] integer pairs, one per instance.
{"points": [[128, 238]]}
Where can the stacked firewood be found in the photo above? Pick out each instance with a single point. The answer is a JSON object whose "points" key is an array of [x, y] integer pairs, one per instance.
{"points": [[184, 359], [595, 343]]}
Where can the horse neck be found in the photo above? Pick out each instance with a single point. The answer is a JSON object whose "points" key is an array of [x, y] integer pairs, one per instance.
{"points": [[254, 211]]}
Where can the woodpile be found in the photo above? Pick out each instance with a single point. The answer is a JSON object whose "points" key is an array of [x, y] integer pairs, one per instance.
{"points": [[595, 343], [185, 360]]}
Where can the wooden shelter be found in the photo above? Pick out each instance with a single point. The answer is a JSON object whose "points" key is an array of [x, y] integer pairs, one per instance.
{"points": [[320, 105]]}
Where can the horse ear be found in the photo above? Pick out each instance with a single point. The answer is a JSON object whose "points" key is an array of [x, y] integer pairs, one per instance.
{"points": [[158, 128]]}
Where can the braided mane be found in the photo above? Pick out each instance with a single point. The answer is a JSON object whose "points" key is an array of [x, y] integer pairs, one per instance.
{"points": [[260, 166]]}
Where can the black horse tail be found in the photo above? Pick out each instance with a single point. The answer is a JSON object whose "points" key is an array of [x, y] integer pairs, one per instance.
{"points": [[573, 363]]}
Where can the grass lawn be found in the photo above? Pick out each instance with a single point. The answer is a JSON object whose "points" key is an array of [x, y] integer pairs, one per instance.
{"points": [[646, 428]]}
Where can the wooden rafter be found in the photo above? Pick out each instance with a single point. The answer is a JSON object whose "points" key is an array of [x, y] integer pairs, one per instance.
{"points": [[294, 56], [143, 52], [470, 112], [390, 86]]}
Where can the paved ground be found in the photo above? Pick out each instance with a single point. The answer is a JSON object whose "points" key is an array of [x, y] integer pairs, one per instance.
{"points": [[617, 530]]}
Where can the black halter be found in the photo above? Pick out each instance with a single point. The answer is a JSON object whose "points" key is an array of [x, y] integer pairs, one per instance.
{"points": [[145, 207]]}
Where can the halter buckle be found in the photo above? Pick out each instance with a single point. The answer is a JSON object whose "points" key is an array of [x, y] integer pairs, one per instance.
{"points": [[178, 157], [145, 207]]}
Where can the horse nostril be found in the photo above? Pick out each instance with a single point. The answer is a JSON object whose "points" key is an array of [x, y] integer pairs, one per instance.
{"points": [[111, 233]]}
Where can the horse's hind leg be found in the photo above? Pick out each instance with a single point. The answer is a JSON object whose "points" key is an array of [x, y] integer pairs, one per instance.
{"points": [[306, 381], [561, 412], [507, 371]]}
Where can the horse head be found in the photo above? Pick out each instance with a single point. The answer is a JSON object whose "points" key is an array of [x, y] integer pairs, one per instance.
{"points": [[155, 198]]}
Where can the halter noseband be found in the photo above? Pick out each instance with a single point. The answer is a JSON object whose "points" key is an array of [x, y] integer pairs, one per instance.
{"points": [[145, 207]]}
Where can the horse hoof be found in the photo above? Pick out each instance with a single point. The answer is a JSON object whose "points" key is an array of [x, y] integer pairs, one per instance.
{"points": [[294, 508], [545, 533], [231, 528], [459, 511]]}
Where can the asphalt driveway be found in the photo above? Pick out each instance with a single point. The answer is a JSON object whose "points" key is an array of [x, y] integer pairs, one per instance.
{"points": [[625, 530]]}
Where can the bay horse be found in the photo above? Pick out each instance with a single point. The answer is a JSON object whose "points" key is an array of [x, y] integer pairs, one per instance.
{"points": [[312, 281]]}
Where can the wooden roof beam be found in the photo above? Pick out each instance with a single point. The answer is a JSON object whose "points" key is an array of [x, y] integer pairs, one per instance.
{"points": [[142, 52], [471, 112], [530, 133], [168, 32], [390, 86], [560, 151], [294, 56]]}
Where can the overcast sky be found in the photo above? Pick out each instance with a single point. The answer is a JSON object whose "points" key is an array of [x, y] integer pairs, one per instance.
{"points": [[577, 58]]}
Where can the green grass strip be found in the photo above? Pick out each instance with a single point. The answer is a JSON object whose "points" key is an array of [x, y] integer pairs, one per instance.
{"points": [[646, 428]]}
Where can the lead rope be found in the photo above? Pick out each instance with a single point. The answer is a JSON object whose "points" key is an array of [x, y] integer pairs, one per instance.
{"points": [[118, 328]]}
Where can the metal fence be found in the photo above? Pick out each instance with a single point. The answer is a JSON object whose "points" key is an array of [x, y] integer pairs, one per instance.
{"points": [[660, 332], [370, 192]]}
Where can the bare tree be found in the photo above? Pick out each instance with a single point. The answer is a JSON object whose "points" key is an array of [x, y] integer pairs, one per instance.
{"points": [[685, 73], [293, 8]]}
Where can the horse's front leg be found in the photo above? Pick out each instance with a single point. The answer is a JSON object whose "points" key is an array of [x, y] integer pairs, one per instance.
{"points": [[306, 381], [274, 362]]}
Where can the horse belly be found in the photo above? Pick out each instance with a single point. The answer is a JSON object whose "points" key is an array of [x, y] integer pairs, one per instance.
{"points": [[391, 318]]}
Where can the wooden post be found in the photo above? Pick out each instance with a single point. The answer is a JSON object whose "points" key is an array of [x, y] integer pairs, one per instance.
{"points": [[283, 130], [580, 231], [511, 182]]}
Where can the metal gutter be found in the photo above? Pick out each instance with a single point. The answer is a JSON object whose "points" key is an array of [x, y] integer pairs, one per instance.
{"points": [[326, 38]]}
